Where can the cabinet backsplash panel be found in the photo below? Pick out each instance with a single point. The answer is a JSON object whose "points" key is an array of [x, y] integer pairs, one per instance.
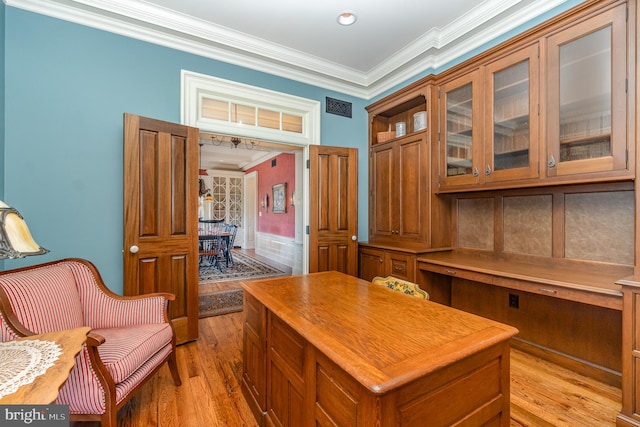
{"points": [[527, 225], [600, 227], [475, 223]]}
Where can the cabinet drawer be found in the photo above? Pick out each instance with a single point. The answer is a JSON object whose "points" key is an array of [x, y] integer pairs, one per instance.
{"points": [[398, 268], [286, 347], [254, 315]]}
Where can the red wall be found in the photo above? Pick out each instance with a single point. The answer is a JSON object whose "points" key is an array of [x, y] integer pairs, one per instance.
{"points": [[279, 224]]}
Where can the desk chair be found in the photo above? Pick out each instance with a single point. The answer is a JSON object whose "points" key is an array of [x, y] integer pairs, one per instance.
{"points": [[399, 285]]}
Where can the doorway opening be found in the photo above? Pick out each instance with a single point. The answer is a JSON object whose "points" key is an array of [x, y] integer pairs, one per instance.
{"points": [[236, 185]]}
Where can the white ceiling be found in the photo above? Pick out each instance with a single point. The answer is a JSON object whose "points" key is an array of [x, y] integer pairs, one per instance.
{"points": [[392, 40], [219, 153]]}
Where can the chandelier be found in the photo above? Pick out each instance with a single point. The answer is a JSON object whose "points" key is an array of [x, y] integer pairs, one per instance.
{"points": [[234, 141]]}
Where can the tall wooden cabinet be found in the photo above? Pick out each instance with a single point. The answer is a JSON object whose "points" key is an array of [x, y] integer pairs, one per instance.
{"points": [[399, 166]]}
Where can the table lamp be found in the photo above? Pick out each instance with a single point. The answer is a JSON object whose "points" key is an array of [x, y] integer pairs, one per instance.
{"points": [[15, 238]]}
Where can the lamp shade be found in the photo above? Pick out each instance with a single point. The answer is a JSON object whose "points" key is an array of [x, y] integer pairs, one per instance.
{"points": [[15, 238]]}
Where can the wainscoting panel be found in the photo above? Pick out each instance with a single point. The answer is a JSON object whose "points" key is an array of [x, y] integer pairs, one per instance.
{"points": [[283, 250]]}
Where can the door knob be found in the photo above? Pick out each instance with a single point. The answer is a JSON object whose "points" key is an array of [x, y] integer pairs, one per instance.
{"points": [[134, 249], [354, 237]]}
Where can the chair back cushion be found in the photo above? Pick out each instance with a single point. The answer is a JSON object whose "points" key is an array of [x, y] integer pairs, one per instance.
{"points": [[407, 288], [44, 299]]}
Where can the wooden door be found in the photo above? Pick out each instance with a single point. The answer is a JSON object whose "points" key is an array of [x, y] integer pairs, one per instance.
{"points": [[160, 213], [333, 205]]}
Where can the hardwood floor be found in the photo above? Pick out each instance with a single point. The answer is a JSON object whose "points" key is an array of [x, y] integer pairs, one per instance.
{"points": [[542, 394]]}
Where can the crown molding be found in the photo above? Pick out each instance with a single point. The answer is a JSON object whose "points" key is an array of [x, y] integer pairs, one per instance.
{"points": [[153, 24]]}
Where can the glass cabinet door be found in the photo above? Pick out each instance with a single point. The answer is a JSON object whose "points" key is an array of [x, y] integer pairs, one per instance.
{"points": [[586, 86], [511, 85], [460, 130]]}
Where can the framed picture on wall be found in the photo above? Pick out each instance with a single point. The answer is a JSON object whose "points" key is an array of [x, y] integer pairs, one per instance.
{"points": [[279, 197]]}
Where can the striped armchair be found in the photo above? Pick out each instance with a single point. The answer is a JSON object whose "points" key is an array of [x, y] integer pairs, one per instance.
{"points": [[130, 339]]}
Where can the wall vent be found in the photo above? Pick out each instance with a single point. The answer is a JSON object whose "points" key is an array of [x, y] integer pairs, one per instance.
{"points": [[340, 108]]}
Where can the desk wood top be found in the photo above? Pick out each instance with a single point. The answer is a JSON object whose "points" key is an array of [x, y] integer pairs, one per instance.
{"points": [[598, 278], [382, 338], [44, 389]]}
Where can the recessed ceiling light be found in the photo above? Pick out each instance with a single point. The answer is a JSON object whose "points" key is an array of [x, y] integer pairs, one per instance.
{"points": [[347, 18]]}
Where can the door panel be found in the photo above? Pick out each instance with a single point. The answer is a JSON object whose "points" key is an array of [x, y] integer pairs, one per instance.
{"points": [[333, 204], [381, 207], [412, 189], [160, 212]]}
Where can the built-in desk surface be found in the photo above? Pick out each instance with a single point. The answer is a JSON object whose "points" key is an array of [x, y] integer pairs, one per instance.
{"points": [[590, 283]]}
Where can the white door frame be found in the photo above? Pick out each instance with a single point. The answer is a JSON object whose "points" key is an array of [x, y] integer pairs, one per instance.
{"points": [[250, 210], [195, 87]]}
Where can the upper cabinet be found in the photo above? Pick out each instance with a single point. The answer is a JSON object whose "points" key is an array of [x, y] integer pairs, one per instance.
{"points": [[511, 116], [490, 118], [551, 108], [586, 77]]}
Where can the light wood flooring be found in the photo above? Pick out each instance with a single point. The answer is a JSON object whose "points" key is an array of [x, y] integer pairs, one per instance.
{"points": [[542, 394]]}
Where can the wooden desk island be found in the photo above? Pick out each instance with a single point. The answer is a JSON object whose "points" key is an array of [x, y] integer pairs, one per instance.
{"points": [[330, 349]]}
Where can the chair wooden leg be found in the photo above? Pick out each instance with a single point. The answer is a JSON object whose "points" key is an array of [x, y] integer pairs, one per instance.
{"points": [[173, 367], [109, 418]]}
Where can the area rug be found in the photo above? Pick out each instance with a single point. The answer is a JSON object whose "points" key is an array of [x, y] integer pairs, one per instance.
{"points": [[220, 302], [230, 301], [245, 267]]}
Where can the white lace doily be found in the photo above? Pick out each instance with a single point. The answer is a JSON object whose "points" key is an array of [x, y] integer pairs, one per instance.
{"points": [[21, 362]]}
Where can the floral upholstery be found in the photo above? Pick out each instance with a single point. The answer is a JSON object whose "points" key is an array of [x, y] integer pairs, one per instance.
{"points": [[131, 337], [400, 285]]}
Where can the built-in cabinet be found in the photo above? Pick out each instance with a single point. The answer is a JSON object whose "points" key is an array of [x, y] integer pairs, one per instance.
{"points": [[375, 261], [553, 108], [549, 112], [399, 167], [399, 185]]}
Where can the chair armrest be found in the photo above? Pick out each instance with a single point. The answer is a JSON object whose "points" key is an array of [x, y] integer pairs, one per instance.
{"points": [[94, 340], [9, 321]]}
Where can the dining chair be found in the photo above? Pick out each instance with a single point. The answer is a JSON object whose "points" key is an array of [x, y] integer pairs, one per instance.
{"points": [[232, 230], [210, 251]]}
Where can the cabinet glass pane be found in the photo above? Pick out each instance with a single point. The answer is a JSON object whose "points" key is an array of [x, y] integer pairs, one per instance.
{"points": [[585, 97], [219, 193], [235, 202], [511, 117], [459, 131]]}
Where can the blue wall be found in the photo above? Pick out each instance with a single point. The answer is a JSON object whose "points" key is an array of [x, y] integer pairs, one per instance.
{"points": [[67, 87]]}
